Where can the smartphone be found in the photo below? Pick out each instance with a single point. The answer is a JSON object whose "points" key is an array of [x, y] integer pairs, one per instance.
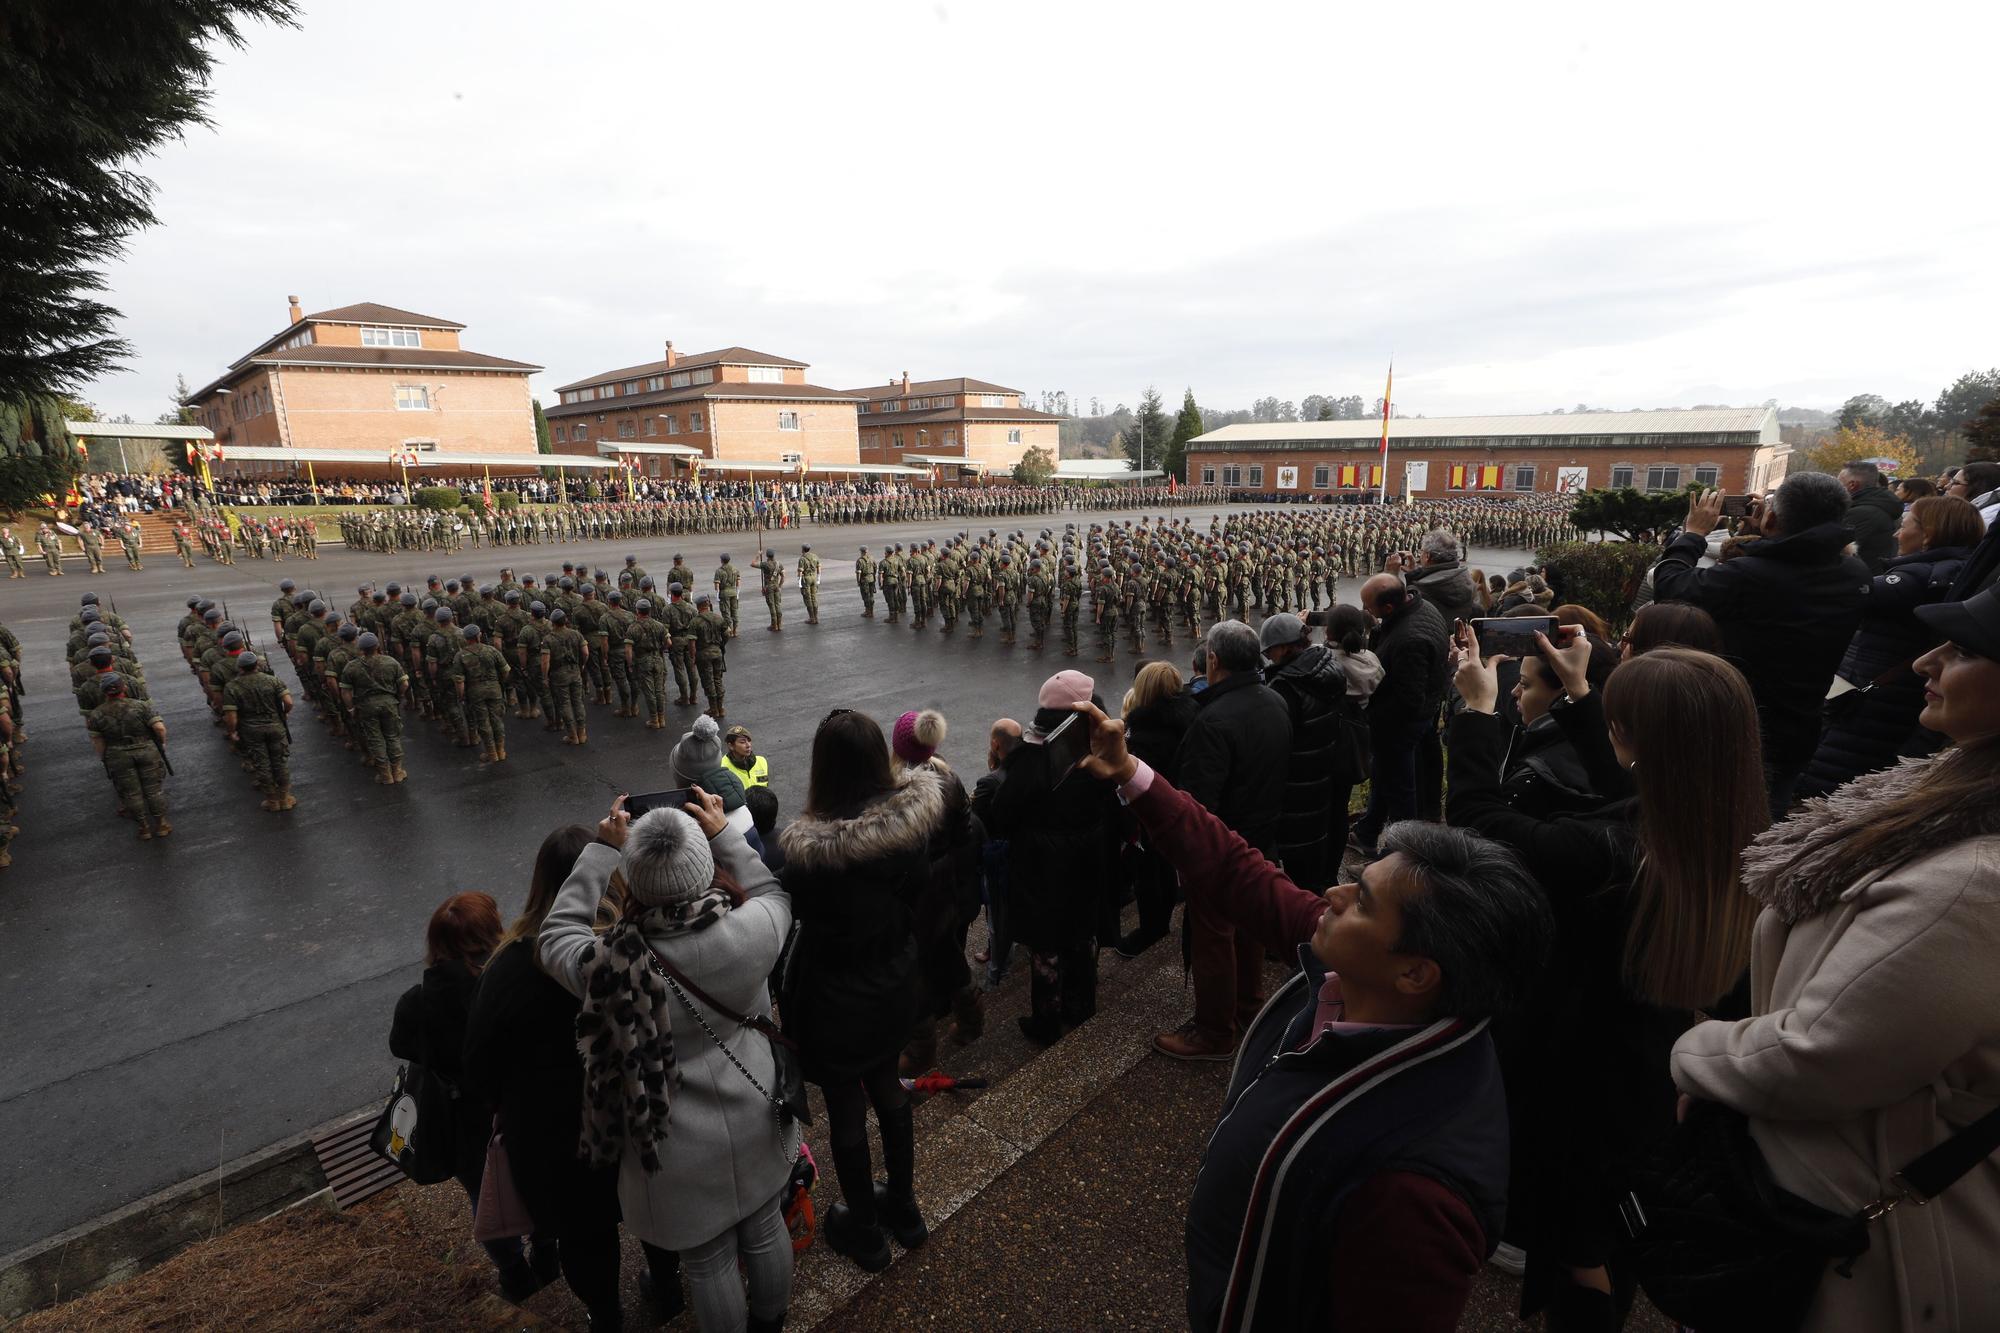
{"points": [[658, 800], [1512, 635], [1318, 619], [1736, 506], [1066, 746]]}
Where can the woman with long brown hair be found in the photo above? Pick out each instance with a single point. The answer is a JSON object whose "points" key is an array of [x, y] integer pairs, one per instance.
{"points": [[1652, 927], [1875, 1000]]}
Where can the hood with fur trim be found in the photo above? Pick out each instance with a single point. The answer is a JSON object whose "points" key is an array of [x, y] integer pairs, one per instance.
{"points": [[898, 822]]}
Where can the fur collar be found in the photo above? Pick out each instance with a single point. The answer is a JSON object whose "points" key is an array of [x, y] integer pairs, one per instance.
{"points": [[898, 822], [1801, 866]]}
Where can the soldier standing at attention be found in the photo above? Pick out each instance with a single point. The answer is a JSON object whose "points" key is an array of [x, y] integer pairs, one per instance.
{"points": [[51, 543], [128, 537], [184, 545], [373, 687], [480, 676], [679, 573], [1006, 596], [646, 647], [633, 568], [617, 626], [710, 637], [563, 654], [681, 651], [93, 547], [864, 579], [809, 583], [11, 547], [774, 579], [893, 573], [254, 705], [128, 736], [727, 580], [1072, 608]]}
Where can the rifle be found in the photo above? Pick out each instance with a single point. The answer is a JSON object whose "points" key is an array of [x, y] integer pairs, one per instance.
{"points": [[161, 746]]}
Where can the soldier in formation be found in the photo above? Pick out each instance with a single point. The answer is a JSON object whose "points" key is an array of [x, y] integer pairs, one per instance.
{"points": [[808, 572]]}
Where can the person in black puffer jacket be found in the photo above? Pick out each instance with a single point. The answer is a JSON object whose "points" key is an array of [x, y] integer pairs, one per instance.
{"points": [[1873, 515], [1867, 727], [857, 864], [1160, 713], [1309, 678], [1543, 775]]}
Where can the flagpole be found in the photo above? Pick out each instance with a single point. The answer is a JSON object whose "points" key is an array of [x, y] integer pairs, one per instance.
{"points": [[1388, 390]]}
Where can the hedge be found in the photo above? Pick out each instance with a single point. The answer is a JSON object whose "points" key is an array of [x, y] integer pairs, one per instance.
{"points": [[438, 497], [507, 499], [1603, 576]]}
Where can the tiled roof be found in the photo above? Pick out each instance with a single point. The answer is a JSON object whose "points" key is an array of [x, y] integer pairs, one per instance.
{"points": [[871, 420], [368, 312], [920, 388], [426, 357], [730, 356], [1667, 421], [699, 392]]}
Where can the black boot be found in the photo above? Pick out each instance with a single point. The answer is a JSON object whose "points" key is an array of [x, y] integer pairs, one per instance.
{"points": [[896, 1201], [851, 1226], [757, 1325], [660, 1284]]}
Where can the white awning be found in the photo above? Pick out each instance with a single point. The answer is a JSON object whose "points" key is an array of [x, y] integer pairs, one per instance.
{"points": [[253, 453], [111, 430], [612, 448], [834, 470], [945, 460], [1102, 469]]}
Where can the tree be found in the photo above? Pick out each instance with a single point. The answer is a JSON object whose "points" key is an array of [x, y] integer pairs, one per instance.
{"points": [[38, 455], [81, 99], [1982, 433], [1148, 437], [1626, 512], [1861, 408], [1861, 441], [1272, 409], [542, 442], [1187, 425], [1037, 465]]}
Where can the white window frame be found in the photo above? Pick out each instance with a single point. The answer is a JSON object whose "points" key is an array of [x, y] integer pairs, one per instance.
{"points": [[788, 420], [1714, 477], [694, 423], [679, 379], [631, 388], [993, 400], [656, 383], [1514, 471], [628, 429], [895, 439], [1322, 477], [580, 431], [767, 374], [703, 376], [1665, 486], [893, 405], [378, 335], [1207, 475], [1631, 476], [652, 425], [673, 424], [1013, 434], [1256, 476], [413, 398]]}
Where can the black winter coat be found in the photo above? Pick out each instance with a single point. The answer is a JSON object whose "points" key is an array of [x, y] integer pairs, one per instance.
{"points": [[1787, 608], [1866, 729], [1314, 688], [521, 1058], [1414, 645], [429, 1029], [1233, 757], [850, 995], [1545, 776], [951, 897], [1154, 733], [1061, 850], [1872, 520]]}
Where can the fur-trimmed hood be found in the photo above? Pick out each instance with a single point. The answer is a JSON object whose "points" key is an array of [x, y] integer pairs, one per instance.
{"points": [[1801, 866], [901, 821]]}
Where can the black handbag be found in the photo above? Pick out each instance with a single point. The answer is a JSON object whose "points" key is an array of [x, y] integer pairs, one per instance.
{"points": [[415, 1128], [1719, 1246], [788, 1098]]}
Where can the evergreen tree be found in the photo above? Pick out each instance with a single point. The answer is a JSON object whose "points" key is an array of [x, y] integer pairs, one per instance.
{"points": [[542, 442], [1186, 426], [1150, 433]]}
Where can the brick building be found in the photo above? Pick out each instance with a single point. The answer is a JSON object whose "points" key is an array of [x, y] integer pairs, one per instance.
{"points": [[368, 380], [1737, 449], [980, 427], [736, 409]]}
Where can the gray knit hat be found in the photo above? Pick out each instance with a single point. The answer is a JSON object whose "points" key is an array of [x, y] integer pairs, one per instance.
{"points": [[698, 752], [667, 860]]}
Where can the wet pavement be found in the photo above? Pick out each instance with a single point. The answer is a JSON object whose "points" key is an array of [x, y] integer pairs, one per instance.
{"points": [[167, 1006]]}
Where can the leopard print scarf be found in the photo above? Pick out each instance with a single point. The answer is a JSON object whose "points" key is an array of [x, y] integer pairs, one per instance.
{"points": [[625, 1034]]}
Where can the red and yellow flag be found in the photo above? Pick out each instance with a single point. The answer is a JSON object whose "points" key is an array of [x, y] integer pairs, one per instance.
{"points": [[1388, 391]]}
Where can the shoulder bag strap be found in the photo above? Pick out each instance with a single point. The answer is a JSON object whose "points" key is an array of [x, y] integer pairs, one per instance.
{"points": [[1937, 1170], [757, 1024]]}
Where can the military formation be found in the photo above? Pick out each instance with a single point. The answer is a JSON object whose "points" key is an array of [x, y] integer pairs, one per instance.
{"points": [[128, 735], [90, 540]]}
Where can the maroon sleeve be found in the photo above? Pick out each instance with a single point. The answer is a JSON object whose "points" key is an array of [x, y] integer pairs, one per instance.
{"points": [[1406, 1250], [1216, 864]]}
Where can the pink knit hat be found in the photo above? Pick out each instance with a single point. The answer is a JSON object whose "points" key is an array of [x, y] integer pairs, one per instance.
{"points": [[1065, 689], [917, 736]]}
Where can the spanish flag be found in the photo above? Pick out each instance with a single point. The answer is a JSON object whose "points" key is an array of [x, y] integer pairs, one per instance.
{"points": [[1388, 391]]}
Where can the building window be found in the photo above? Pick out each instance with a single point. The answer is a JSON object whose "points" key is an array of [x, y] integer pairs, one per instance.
{"points": [[1663, 477], [893, 405], [1232, 475], [1208, 476], [1322, 477], [656, 383], [412, 398], [580, 431], [1256, 474], [704, 376], [631, 387], [993, 400], [1524, 476], [1708, 474], [374, 337], [861, 408], [1621, 476], [652, 425], [788, 421], [673, 424], [627, 429], [767, 374], [1013, 435], [951, 439], [694, 423], [680, 380]]}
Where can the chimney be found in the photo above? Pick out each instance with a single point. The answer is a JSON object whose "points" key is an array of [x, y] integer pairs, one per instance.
{"points": [[671, 358], [297, 314], [906, 382]]}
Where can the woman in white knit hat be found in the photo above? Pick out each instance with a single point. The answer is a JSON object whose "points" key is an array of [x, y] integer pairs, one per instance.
{"points": [[702, 1154]]}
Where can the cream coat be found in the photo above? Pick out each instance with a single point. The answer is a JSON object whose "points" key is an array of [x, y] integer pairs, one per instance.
{"points": [[1877, 1035], [724, 1156]]}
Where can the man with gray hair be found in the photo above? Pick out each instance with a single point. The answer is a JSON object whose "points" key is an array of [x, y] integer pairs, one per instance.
{"points": [[1232, 761], [1787, 607], [1873, 514]]}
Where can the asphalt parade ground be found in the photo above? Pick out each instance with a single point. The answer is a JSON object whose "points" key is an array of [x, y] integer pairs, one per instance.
{"points": [[168, 1006]]}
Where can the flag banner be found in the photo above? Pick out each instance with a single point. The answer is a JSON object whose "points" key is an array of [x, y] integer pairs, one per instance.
{"points": [[1457, 476], [1376, 472], [1348, 473], [1288, 478], [1489, 477]]}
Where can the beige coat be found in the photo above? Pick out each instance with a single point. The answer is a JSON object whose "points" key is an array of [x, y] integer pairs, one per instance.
{"points": [[1877, 1035]]}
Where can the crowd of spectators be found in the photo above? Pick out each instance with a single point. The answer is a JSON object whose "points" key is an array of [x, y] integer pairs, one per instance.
{"points": [[1510, 990]]}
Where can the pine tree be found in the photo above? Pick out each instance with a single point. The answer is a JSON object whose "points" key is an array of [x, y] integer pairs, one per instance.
{"points": [[542, 441], [1150, 434], [1186, 426]]}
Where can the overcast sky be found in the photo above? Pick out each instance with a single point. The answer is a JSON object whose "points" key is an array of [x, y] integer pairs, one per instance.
{"points": [[1529, 207]]}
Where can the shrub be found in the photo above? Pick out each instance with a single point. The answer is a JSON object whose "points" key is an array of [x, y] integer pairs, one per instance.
{"points": [[1603, 576], [438, 497], [507, 499]]}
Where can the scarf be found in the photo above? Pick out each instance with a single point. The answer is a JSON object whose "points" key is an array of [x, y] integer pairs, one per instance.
{"points": [[625, 1034], [1801, 866]]}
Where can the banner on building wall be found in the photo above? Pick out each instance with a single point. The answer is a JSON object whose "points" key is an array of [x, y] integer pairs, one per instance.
{"points": [[1288, 478], [1489, 476], [1571, 480], [1416, 476], [1457, 475], [1347, 476], [1375, 474]]}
